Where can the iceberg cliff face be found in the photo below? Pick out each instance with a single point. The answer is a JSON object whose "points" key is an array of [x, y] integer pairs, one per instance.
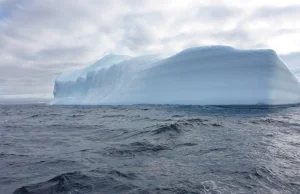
{"points": [[216, 75]]}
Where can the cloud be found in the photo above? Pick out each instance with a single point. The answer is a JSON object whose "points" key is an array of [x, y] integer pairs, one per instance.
{"points": [[292, 60], [41, 39], [2, 80], [217, 12], [277, 12]]}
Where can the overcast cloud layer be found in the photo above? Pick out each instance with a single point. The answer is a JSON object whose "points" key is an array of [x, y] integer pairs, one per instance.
{"points": [[41, 39]]}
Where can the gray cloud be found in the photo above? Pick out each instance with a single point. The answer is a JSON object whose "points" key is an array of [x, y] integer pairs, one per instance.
{"points": [[272, 11], [292, 56], [138, 30], [292, 60], [2, 80], [217, 12], [63, 53], [235, 35]]}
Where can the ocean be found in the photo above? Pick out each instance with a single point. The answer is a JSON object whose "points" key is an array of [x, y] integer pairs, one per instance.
{"points": [[149, 149]]}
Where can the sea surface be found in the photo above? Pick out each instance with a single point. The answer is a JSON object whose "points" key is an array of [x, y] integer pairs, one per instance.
{"points": [[149, 149]]}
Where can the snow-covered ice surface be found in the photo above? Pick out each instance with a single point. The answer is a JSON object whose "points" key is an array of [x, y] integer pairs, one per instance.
{"points": [[212, 75]]}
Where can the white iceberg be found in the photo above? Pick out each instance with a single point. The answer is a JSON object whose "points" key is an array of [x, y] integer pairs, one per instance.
{"points": [[214, 75]]}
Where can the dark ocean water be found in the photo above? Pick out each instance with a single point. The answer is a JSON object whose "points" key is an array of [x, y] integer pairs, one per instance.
{"points": [[149, 149]]}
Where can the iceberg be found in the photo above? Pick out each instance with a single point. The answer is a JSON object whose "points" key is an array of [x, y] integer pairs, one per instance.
{"points": [[210, 75]]}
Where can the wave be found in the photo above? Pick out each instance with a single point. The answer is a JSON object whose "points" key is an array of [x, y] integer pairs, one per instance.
{"points": [[135, 148], [77, 183]]}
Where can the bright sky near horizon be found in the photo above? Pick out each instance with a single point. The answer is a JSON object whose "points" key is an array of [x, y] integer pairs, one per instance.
{"points": [[41, 39]]}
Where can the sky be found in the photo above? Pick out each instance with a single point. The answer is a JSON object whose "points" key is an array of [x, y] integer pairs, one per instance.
{"points": [[39, 39]]}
